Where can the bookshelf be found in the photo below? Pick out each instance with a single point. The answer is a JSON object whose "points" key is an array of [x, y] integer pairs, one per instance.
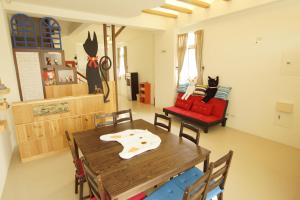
{"points": [[145, 93]]}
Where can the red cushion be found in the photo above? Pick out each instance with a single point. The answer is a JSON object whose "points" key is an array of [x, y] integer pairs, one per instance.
{"points": [[79, 167], [139, 196], [219, 107], [202, 108], [194, 115], [184, 104]]}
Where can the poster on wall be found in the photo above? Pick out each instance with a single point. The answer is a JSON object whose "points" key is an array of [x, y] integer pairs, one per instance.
{"points": [[29, 71]]}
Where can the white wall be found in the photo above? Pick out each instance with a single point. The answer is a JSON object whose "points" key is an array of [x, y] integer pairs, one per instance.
{"points": [[8, 77], [165, 76], [140, 57], [140, 52], [253, 70]]}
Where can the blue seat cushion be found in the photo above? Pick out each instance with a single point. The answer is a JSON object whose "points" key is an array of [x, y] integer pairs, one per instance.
{"points": [[168, 191], [189, 177]]}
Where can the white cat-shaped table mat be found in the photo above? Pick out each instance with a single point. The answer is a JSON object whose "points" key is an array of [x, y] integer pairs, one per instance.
{"points": [[134, 141]]}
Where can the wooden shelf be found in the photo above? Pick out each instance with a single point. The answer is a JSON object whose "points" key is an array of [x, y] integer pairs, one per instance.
{"points": [[3, 124], [4, 91], [145, 93]]}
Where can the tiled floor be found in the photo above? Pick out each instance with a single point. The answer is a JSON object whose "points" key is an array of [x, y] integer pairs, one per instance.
{"points": [[261, 169]]}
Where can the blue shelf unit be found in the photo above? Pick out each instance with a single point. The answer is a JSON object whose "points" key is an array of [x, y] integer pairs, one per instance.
{"points": [[31, 33], [50, 34], [23, 32]]}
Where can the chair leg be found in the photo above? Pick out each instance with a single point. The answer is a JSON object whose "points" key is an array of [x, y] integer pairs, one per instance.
{"points": [[76, 185], [81, 190], [220, 196]]}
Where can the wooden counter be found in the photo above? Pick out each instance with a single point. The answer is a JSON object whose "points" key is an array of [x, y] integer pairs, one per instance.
{"points": [[57, 91], [39, 135]]}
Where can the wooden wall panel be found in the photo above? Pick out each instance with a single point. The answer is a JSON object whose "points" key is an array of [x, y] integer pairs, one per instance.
{"points": [[39, 136]]}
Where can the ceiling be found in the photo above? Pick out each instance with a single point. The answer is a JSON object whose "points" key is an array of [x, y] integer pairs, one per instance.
{"points": [[121, 8]]}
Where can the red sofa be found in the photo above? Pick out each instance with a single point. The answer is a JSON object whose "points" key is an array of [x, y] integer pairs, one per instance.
{"points": [[203, 114]]}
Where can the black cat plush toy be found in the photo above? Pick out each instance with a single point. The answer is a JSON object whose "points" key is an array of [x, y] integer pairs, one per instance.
{"points": [[212, 89], [92, 71]]}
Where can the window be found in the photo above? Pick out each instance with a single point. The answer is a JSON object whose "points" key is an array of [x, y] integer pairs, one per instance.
{"points": [[122, 62], [189, 68]]}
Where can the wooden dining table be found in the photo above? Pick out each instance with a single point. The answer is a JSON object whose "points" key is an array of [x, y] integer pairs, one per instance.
{"points": [[124, 178]]}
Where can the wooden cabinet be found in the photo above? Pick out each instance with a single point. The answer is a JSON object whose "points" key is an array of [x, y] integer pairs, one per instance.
{"points": [[41, 135], [88, 122]]}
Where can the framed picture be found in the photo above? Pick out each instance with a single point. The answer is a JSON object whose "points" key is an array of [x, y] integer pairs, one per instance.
{"points": [[52, 58], [66, 75], [49, 76]]}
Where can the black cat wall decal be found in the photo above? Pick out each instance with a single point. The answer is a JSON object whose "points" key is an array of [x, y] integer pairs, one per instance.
{"points": [[212, 89], [95, 70]]}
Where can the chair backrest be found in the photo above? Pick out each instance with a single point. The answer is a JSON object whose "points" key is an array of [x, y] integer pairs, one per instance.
{"points": [[94, 181], [107, 119], [219, 173], [187, 136], [76, 159], [119, 119], [198, 190], [164, 117]]}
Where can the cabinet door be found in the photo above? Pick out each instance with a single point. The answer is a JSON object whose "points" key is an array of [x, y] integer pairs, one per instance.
{"points": [[88, 122], [28, 139], [30, 132]]}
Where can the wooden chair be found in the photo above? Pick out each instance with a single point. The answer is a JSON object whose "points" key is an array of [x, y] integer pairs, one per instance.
{"points": [[95, 183], [102, 120], [189, 137], [97, 190], [170, 190], [217, 179], [194, 184], [79, 172], [198, 190], [159, 124], [219, 174], [119, 119]]}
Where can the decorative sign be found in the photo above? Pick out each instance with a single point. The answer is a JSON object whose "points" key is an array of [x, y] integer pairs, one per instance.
{"points": [[30, 75], [49, 109]]}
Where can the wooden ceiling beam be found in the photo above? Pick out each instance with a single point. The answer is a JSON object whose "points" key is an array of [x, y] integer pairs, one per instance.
{"points": [[199, 3], [177, 8], [120, 30], [160, 13]]}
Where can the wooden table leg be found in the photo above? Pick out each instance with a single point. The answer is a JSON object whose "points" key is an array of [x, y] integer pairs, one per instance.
{"points": [[206, 163], [76, 149]]}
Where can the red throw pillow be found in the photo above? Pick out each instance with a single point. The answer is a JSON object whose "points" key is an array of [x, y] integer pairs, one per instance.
{"points": [[184, 104], [202, 108]]}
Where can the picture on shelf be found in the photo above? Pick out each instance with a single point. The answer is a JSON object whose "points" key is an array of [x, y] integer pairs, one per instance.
{"points": [[52, 58], [49, 76], [66, 75]]}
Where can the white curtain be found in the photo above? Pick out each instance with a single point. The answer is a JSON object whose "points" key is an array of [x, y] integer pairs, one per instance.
{"points": [[181, 49], [198, 54]]}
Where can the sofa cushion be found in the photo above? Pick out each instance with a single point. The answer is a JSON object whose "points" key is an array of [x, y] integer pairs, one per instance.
{"points": [[219, 107], [194, 115], [200, 90], [223, 92], [202, 108], [182, 88], [184, 104]]}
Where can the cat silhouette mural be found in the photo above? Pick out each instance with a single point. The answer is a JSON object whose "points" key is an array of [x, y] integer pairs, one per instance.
{"points": [[95, 68], [212, 89]]}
